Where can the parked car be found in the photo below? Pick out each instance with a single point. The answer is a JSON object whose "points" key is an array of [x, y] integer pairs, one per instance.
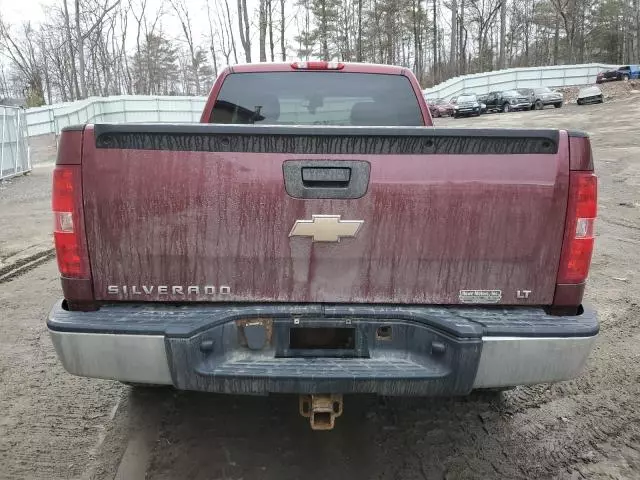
{"points": [[466, 105], [440, 107], [629, 72], [507, 101], [607, 76], [483, 102], [541, 97], [625, 72], [461, 270], [589, 95]]}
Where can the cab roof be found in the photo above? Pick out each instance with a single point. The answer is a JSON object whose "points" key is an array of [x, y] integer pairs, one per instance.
{"points": [[289, 67]]}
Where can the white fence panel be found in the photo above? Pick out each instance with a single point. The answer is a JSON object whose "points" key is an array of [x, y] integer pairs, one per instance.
{"points": [[554, 76], [14, 149], [125, 108]]}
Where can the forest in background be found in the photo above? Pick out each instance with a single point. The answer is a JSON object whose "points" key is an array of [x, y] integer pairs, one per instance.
{"points": [[110, 47]]}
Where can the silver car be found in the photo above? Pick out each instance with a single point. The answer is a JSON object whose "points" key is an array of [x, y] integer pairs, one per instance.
{"points": [[541, 97]]}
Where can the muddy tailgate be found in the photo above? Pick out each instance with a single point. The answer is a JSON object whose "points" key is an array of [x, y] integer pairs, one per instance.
{"points": [[306, 214]]}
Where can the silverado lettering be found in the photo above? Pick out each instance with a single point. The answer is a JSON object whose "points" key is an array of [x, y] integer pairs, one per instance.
{"points": [[362, 250], [168, 289]]}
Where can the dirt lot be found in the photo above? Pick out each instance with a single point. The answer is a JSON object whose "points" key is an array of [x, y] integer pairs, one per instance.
{"points": [[57, 426]]}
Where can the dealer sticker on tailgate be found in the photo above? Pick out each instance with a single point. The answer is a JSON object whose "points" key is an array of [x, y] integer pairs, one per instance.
{"points": [[480, 296]]}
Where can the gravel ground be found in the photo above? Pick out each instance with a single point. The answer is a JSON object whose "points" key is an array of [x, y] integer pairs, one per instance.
{"points": [[52, 424], [58, 426]]}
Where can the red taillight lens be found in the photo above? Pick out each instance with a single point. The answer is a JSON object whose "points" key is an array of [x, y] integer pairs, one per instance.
{"points": [[70, 251], [62, 200], [577, 247], [70, 262], [320, 65]]}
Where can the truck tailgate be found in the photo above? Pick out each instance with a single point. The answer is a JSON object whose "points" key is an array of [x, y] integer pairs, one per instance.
{"points": [[402, 215]]}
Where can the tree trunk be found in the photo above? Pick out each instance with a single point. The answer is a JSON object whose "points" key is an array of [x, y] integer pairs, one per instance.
{"points": [[243, 24], [212, 45], [81, 61], [414, 19], [454, 37], [47, 81], [481, 45], [503, 33], [582, 38], [231, 37], [270, 22], [435, 43], [527, 33], [72, 58], [636, 8], [462, 37], [324, 29], [359, 54], [556, 41], [283, 47], [262, 27]]}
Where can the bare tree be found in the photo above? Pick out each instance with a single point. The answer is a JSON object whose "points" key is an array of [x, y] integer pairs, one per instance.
{"points": [[435, 41], [283, 27], [270, 23], [212, 45], [225, 33], [25, 56], [182, 13], [262, 28], [503, 32], [82, 34], [70, 46], [567, 9], [243, 26], [484, 14], [453, 48], [359, 52], [230, 31]]}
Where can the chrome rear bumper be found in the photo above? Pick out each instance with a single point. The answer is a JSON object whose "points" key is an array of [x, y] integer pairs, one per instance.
{"points": [[510, 361], [504, 361], [431, 350]]}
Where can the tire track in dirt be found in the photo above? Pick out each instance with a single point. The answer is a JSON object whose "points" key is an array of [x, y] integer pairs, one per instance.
{"points": [[25, 264]]}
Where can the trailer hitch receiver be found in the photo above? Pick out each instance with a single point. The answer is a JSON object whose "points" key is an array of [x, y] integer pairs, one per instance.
{"points": [[321, 410]]}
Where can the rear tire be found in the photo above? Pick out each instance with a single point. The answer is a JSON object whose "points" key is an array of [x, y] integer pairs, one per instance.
{"points": [[558, 105], [601, 99], [506, 108], [579, 102], [538, 105], [625, 78]]}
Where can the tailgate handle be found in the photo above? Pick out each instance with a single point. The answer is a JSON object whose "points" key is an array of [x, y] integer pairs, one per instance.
{"points": [[326, 177], [339, 179]]}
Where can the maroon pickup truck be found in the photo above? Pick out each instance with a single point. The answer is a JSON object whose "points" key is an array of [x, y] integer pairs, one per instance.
{"points": [[315, 235]]}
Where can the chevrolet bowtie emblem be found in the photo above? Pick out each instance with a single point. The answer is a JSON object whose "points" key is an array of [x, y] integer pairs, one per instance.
{"points": [[326, 228]]}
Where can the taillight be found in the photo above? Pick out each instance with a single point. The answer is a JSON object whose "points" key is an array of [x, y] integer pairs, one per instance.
{"points": [[577, 246], [70, 247], [317, 65]]}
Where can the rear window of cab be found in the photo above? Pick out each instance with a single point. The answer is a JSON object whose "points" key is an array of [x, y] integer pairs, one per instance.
{"points": [[317, 98]]}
